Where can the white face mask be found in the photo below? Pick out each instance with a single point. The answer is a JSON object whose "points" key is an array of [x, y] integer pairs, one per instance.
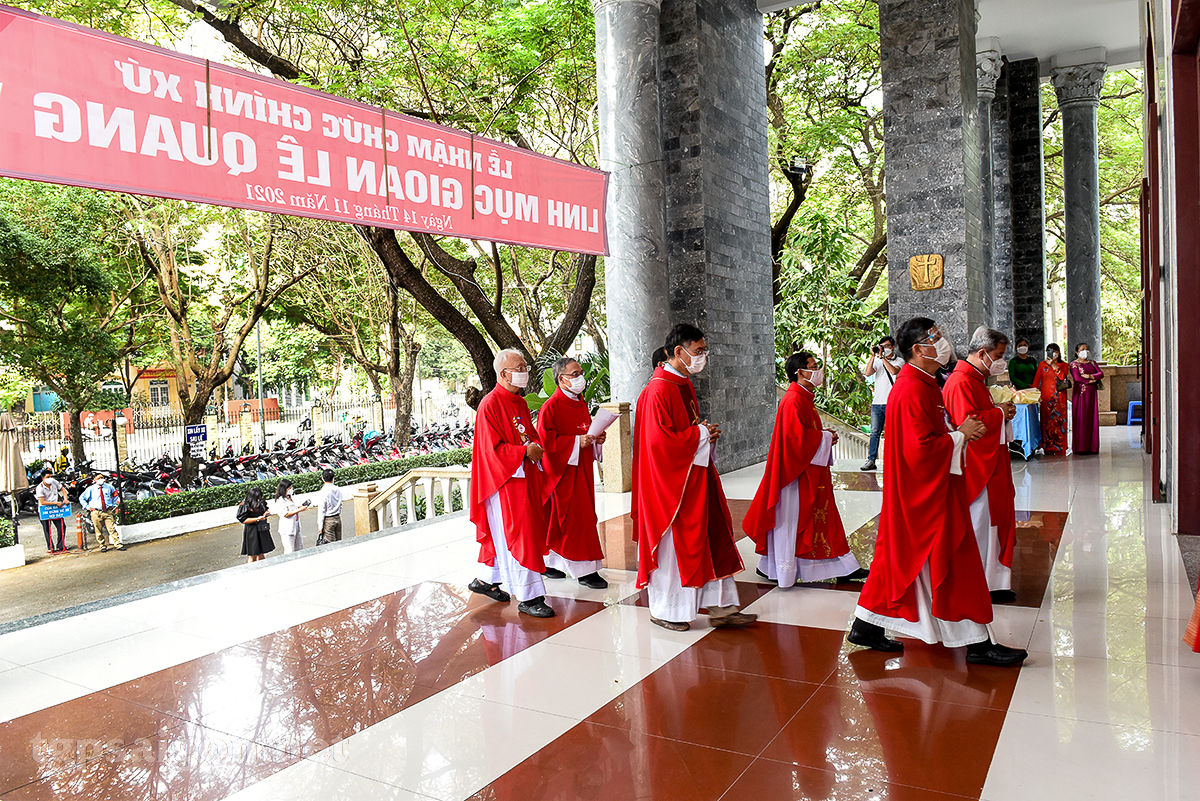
{"points": [[942, 349], [816, 377], [887, 351], [1023, 350], [518, 380], [997, 367], [576, 384], [698, 361], [1083, 354]]}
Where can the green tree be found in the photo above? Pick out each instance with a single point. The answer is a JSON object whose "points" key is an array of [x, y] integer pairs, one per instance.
{"points": [[62, 300]]}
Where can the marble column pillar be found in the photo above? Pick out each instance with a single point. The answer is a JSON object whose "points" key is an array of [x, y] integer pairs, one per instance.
{"points": [[988, 63], [932, 137], [1002, 204], [637, 284], [1078, 89], [1022, 80]]}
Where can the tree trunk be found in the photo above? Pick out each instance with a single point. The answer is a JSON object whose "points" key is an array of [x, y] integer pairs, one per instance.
{"points": [[402, 392], [193, 414], [75, 413]]}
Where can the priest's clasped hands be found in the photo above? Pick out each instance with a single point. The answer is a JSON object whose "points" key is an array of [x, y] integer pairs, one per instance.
{"points": [[714, 430], [973, 428], [533, 452]]}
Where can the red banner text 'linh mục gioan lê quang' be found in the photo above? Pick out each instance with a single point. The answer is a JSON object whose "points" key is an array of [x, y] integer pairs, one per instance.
{"points": [[86, 108]]}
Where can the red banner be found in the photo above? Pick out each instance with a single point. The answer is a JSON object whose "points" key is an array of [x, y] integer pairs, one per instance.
{"points": [[82, 107]]}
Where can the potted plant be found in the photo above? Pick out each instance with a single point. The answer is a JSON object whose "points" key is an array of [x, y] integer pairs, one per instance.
{"points": [[12, 553]]}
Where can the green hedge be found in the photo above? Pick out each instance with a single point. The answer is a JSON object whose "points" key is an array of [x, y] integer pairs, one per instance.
{"points": [[6, 532], [203, 500]]}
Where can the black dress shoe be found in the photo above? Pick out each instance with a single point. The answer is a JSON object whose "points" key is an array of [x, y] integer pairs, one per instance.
{"points": [[765, 576], [868, 466], [552, 573], [990, 653], [492, 591], [535, 607], [858, 575], [1003, 596], [670, 625], [872, 636], [593, 581]]}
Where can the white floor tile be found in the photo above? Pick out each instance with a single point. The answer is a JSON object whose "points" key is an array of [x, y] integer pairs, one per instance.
{"points": [[533, 679], [806, 606], [311, 780], [627, 630], [621, 584], [111, 663], [58, 637], [27, 690], [448, 746], [1049, 758], [1013, 625], [1111, 692]]}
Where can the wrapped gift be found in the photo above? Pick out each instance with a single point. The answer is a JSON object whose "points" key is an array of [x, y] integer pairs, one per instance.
{"points": [[1001, 393], [1028, 396]]}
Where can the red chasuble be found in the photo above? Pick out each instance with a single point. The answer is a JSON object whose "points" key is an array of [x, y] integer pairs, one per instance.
{"points": [[988, 462], [670, 492], [797, 436], [925, 514], [502, 429], [571, 508]]}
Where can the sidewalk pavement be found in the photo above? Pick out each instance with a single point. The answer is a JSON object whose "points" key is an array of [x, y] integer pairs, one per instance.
{"points": [[158, 552]]}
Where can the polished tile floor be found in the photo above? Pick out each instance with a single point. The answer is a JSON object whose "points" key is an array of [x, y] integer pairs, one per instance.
{"points": [[368, 671]]}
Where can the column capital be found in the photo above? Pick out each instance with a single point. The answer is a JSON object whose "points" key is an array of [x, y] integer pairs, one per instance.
{"points": [[1079, 83], [988, 64], [599, 4]]}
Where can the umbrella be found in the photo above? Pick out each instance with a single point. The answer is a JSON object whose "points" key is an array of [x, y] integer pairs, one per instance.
{"points": [[12, 466]]}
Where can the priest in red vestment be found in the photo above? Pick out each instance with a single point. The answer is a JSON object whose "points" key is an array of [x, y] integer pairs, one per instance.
{"points": [[927, 578], [506, 492], [686, 552], [572, 539], [794, 520], [987, 472]]}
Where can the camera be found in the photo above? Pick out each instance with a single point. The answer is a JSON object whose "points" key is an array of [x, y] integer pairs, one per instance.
{"points": [[875, 350]]}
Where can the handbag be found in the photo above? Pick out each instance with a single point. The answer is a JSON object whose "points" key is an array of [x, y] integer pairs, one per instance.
{"points": [[1062, 385]]}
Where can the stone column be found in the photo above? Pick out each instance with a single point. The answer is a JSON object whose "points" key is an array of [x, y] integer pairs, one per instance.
{"points": [[1002, 225], [718, 212], [1028, 202], [931, 134], [988, 62], [1077, 83], [637, 286]]}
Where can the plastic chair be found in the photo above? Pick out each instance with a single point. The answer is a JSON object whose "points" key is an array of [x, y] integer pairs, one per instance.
{"points": [[1129, 416]]}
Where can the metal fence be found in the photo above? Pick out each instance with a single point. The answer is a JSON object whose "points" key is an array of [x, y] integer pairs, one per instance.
{"points": [[152, 434]]}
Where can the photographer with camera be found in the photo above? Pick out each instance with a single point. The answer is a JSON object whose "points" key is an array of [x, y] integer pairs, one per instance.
{"points": [[883, 364]]}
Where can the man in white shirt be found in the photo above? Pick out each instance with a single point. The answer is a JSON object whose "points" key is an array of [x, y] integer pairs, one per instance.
{"points": [[883, 365], [329, 510]]}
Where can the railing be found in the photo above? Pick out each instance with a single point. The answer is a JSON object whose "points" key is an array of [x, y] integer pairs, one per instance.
{"points": [[411, 497], [852, 443]]}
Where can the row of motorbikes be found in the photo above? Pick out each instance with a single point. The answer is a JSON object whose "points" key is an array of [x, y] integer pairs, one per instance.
{"points": [[287, 456]]}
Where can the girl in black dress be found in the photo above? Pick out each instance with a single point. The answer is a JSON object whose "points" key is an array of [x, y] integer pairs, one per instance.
{"points": [[256, 531]]}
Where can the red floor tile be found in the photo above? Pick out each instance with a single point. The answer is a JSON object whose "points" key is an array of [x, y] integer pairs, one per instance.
{"points": [[933, 672], [770, 649], [858, 482], [186, 763], [600, 763], [707, 706], [68, 735], [877, 738], [766, 780]]}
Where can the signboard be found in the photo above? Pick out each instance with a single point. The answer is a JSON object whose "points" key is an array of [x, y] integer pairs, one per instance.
{"points": [[198, 452], [197, 433], [86, 108], [54, 512]]}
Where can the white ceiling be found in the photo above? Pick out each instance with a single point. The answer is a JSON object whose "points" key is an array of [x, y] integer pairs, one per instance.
{"points": [[1046, 28]]}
